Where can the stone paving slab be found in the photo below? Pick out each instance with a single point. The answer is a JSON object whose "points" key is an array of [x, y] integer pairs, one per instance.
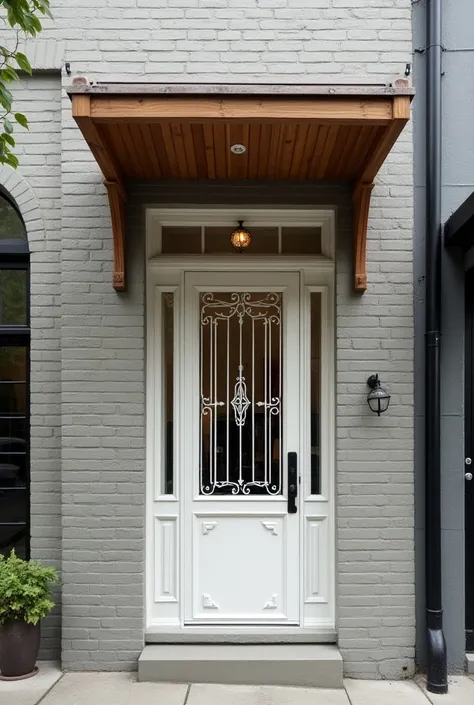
{"points": [[460, 692], [384, 693], [50, 687], [31, 690], [263, 695], [112, 689]]}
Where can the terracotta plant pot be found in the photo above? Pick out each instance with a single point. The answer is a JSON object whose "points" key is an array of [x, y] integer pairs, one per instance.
{"points": [[19, 647]]}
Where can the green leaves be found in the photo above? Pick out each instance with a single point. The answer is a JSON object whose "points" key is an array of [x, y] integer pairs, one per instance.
{"points": [[23, 62], [23, 18], [8, 74], [6, 98], [22, 120], [25, 589], [7, 157], [24, 14], [9, 139]]}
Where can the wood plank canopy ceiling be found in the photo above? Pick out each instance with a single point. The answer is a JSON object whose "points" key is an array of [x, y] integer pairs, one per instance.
{"points": [[185, 132]]}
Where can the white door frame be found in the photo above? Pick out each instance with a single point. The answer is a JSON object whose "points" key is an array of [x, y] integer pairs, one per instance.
{"points": [[164, 538]]}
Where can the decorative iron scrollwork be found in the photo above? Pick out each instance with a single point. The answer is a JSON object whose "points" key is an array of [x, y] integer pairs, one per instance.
{"points": [[246, 326]]}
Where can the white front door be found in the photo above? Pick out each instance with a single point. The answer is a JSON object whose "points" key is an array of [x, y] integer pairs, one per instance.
{"points": [[240, 447]]}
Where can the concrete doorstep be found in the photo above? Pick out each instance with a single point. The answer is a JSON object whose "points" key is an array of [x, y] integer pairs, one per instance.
{"points": [[308, 665], [51, 687]]}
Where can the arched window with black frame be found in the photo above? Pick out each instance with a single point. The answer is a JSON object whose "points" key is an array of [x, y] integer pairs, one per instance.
{"points": [[14, 381]]}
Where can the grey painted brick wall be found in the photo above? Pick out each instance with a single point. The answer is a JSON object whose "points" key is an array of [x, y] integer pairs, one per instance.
{"points": [[102, 333], [36, 187], [234, 40], [375, 481]]}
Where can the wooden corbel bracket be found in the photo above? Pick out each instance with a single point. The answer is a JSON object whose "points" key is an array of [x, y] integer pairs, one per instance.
{"points": [[361, 201], [365, 183], [109, 165], [117, 198]]}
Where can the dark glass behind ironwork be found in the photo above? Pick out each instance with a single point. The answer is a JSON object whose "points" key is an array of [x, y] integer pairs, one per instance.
{"points": [[241, 394]]}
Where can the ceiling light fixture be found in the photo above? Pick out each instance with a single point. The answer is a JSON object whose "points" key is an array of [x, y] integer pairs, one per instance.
{"points": [[241, 238], [238, 149]]}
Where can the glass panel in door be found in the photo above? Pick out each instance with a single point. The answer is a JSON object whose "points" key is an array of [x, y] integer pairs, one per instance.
{"points": [[241, 393]]}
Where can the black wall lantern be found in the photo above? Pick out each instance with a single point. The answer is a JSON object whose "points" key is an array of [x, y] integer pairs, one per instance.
{"points": [[378, 398]]}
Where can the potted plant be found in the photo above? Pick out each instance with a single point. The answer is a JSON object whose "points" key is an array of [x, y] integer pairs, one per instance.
{"points": [[25, 598]]}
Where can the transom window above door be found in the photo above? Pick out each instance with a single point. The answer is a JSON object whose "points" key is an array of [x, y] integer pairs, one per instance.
{"points": [[213, 240], [202, 231]]}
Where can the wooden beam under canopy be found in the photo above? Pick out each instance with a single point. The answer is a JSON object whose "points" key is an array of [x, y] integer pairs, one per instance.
{"points": [[202, 110]]}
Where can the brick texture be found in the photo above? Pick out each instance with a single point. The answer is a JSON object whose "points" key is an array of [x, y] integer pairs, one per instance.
{"points": [[100, 373], [36, 187], [234, 40]]}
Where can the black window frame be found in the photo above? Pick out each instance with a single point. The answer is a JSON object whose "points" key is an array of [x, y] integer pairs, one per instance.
{"points": [[14, 254]]}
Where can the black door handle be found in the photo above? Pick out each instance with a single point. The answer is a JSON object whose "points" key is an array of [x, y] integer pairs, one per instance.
{"points": [[292, 482]]}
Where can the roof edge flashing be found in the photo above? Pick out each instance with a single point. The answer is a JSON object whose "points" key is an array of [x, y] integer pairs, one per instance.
{"points": [[398, 87]]}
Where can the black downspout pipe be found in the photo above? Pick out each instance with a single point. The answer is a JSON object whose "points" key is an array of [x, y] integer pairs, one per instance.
{"points": [[437, 681]]}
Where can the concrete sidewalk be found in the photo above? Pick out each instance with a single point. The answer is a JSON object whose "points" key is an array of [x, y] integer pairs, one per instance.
{"points": [[51, 687]]}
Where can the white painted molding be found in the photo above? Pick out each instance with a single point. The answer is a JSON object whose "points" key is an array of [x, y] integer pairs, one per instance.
{"points": [[208, 526], [208, 603], [271, 526], [28, 204], [272, 603], [44, 54]]}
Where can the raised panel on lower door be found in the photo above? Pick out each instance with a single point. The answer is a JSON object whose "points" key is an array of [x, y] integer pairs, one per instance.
{"points": [[239, 568]]}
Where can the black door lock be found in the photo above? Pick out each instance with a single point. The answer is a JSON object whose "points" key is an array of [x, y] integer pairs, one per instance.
{"points": [[292, 482]]}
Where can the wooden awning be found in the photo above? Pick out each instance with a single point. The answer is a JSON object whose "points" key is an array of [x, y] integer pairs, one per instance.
{"points": [[290, 132]]}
